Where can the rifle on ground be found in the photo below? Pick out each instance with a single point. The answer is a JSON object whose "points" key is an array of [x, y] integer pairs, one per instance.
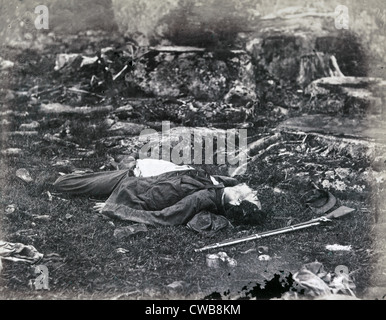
{"points": [[341, 211]]}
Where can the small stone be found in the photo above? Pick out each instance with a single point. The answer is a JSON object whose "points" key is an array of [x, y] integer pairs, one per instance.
{"points": [[49, 196], [240, 95], [264, 257], [124, 112], [122, 250], [12, 152], [24, 175], [9, 96], [177, 285], [10, 209], [280, 111], [127, 128], [68, 216], [337, 247], [29, 126], [5, 64], [109, 122], [21, 133], [41, 217]]}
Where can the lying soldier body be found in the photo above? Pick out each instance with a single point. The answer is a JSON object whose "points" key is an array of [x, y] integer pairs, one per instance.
{"points": [[158, 192]]}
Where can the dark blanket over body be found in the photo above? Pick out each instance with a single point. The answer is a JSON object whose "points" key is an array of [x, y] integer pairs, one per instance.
{"points": [[171, 198]]}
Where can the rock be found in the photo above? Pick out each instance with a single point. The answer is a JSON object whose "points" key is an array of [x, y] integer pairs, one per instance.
{"points": [[220, 259], [65, 109], [42, 217], [183, 143], [21, 133], [350, 95], [122, 250], [120, 144], [264, 257], [10, 209], [240, 95], [109, 122], [8, 113], [368, 128], [131, 230], [30, 126], [51, 138], [127, 128], [338, 247], [12, 152], [328, 85], [5, 64], [63, 59], [202, 75], [10, 95], [24, 175], [5, 122], [280, 111], [124, 112], [177, 286]]}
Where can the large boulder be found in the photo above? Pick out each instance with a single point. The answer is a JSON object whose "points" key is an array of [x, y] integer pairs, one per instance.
{"points": [[204, 75], [350, 95]]}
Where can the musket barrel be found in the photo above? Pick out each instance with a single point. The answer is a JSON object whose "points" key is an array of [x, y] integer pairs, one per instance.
{"points": [[314, 222], [299, 226]]}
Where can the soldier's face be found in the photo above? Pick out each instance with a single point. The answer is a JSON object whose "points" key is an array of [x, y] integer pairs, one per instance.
{"points": [[242, 192]]}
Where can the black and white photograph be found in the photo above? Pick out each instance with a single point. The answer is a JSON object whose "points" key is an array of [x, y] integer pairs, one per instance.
{"points": [[192, 151]]}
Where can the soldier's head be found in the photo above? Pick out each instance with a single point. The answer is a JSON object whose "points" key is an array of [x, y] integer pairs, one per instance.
{"points": [[242, 205], [235, 195]]}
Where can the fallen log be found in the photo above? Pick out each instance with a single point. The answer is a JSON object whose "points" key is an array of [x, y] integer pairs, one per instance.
{"points": [[255, 150], [61, 108], [254, 147], [178, 49], [21, 133], [355, 148]]}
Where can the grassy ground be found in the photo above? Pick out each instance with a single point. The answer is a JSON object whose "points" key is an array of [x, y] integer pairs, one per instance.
{"points": [[87, 264], [81, 251]]}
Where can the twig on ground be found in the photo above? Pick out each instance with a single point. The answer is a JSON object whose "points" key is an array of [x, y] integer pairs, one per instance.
{"points": [[48, 91], [85, 92], [119, 73], [126, 294]]}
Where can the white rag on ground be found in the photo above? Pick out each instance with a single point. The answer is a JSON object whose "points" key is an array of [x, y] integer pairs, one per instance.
{"points": [[19, 252]]}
